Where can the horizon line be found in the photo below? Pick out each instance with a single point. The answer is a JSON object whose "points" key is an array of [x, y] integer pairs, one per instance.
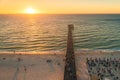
{"points": [[53, 13]]}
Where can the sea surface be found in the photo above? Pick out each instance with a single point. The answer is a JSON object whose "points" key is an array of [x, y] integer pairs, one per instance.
{"points": [[43, 32]]}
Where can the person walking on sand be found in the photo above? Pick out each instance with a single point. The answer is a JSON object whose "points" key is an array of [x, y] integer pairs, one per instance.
{"points": [[25, 69]]}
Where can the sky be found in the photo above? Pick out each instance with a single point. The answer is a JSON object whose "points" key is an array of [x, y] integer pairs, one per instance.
{"points": [[60, 6]]}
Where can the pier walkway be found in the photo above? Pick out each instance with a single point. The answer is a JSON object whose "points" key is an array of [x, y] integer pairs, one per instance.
{"points": [[70, 68]]}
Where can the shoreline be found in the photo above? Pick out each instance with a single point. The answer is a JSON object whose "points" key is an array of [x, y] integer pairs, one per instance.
{"points": [[59, 52]]}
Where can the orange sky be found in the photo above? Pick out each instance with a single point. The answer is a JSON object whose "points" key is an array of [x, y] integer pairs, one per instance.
{"points": [[60, 6]]}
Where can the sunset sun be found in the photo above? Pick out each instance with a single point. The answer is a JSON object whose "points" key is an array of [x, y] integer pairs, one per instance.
{"points": [[30, 11]]}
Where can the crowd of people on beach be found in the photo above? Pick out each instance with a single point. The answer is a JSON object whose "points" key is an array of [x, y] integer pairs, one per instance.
{"points": [[104, 68]]}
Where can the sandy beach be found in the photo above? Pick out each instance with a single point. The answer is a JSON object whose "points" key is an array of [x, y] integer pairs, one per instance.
{"points": [[46, 65]]}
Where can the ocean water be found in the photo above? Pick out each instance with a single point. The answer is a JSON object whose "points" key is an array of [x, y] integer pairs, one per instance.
{"points": [[49, 32]]}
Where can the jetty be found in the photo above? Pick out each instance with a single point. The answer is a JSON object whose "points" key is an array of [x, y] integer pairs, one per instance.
{"points": [[70, 68]]}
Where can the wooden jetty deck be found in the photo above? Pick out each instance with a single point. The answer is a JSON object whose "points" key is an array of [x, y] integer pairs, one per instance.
{"points": [[70, 68]]}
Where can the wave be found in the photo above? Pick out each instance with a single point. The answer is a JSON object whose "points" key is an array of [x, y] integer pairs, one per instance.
{"points": [[111, 19]]}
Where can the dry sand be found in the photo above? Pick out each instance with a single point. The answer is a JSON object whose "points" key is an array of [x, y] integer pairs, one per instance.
{"points": [[45, 65]]}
